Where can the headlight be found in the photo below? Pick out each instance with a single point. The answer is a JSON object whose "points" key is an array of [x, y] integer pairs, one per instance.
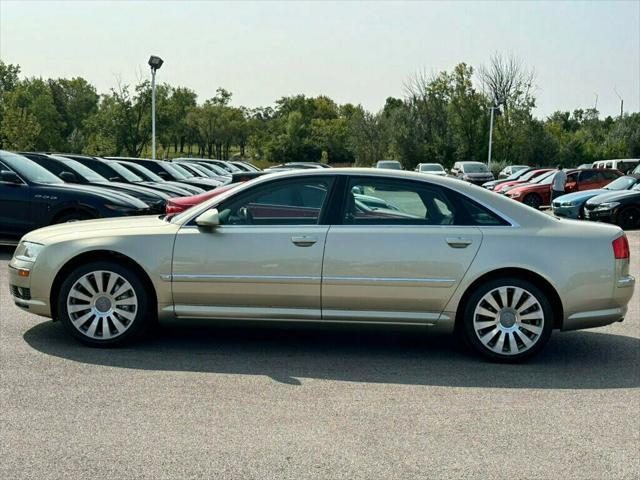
{"points": [[607, 206], [514, 194], [27, 251], [567, 204]]}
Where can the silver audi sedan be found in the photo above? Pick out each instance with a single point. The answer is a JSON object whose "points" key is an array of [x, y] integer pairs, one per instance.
{"points": [[334, 245]]}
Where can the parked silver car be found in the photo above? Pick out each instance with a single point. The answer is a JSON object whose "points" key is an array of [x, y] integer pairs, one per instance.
{"points": [[315, 246]]}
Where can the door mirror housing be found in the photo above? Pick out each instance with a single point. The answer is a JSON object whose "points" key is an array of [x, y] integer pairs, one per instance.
{"points": [[208, 219], [68, 177], [8, 176]]}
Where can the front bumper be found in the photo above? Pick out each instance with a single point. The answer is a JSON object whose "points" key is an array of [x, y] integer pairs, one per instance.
{"points": [[21, 291], [566, 212], [607, 216]]}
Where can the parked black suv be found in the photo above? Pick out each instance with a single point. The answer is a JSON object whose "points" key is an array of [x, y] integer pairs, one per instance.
{"points": [[117, 173], [72, 171], [32, 197], [171, 171]]}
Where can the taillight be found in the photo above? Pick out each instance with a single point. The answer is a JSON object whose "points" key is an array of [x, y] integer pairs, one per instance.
{"points": [[621, 248], [173, 208]]}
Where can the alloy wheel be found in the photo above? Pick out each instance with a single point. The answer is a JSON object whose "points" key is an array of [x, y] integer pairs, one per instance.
{"points": [[102, 305], [508, 320]]}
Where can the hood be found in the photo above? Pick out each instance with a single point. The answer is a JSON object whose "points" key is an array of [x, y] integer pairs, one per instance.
{"points": [[185, 186], [121, 198], [136, 190], [529, 187], [99, 228], [582, 196], [172, 190], [614, 196]]}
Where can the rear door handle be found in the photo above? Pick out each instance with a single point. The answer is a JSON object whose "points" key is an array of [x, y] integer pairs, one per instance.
{"points": [[304, 241], [459, 242]]}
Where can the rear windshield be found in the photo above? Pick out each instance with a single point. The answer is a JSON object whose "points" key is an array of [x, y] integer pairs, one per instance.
{"points": [[430, 167]]}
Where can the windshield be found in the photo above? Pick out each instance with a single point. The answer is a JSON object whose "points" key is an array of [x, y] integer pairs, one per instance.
{"points": [[520, 173], [529, 175], [474, 168], [28, 170], [174, 172], [183, 171], [431, 167], [392, 165], [636, 187], [82, 170], [144, 171], [546, 179], [622, 183], [125, 172]]}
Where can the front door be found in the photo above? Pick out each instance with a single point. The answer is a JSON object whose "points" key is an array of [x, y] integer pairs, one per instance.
{"points": [[399, 254], [265, 259], [15, 214]]}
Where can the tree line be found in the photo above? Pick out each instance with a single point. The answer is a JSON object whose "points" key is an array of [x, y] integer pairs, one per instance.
{"points": [[441, 117]]}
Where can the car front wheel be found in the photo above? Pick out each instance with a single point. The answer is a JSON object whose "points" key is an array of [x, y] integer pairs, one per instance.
{"points": [[103, 304], [533, 200], [508, 319]]}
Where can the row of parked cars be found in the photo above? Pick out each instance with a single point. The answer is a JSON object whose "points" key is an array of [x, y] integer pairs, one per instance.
{"points": [[39, 189], [601, 194], [606, 190]]}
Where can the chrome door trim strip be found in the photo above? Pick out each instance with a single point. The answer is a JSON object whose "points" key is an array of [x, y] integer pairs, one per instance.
{"points": [[213, 278], [246, 313], [388, 281], [377, 316]]}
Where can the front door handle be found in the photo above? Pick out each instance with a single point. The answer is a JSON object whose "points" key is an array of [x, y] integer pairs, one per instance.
{"points": [[304, 241], [459, 242]]}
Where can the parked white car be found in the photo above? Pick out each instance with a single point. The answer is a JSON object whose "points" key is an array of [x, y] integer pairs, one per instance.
{"points": [[431, 169]]}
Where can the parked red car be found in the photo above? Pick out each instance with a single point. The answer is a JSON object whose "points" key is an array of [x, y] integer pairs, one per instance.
{"points": [[180, 204], [527, 177], [538, 194]]}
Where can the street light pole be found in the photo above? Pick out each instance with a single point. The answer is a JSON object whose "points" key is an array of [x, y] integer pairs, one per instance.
{"points": [[153, 114], [490, 137], [155, 63]]}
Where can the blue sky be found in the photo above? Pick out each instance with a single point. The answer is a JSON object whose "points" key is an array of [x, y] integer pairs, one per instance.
{"points": [[361, 52]]}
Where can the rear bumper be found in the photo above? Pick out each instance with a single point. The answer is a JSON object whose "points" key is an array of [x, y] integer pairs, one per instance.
{"points": [[623, 291]]}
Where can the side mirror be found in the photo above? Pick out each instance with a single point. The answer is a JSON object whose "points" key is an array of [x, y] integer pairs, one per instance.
{"points": [[69, 177], [209, 219], [8, 176]]}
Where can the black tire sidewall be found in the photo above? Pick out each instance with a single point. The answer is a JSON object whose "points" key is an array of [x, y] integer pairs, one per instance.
{"points": [[620, 216], [468, 314], [141, 320], [538, 201]]}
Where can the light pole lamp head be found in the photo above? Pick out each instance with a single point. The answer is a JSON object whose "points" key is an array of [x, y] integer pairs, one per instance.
{"points": [[155, 62]]}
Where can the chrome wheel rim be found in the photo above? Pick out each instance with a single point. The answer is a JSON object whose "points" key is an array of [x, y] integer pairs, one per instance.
{"points": [[508, 320], [102, 305]]}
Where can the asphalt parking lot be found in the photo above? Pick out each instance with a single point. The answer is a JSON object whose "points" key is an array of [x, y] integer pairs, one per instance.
{"points": [[256, 401]]}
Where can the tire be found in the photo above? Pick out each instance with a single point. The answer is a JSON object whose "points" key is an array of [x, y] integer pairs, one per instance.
{"points": [[629, 218], [100, 292], [527, 317], [533, 200], [73, 217]]}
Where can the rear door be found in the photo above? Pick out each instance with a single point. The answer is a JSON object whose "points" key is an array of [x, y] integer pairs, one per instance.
{"points": [[397, 253]]}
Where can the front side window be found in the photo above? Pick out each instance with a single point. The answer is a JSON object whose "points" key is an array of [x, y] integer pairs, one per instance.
{"points": [[384, 202], [298, 202]]}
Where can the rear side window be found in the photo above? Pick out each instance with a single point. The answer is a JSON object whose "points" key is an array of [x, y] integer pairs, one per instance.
{"points": [[374, 201]]}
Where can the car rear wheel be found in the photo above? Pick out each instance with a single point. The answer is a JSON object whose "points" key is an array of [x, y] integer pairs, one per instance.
{"points": [[508, 320], [103, 304], [629, 218], [533, 200]]}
